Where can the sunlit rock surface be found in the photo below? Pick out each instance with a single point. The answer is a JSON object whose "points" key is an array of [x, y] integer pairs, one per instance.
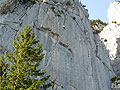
{"points": [[113, 12], [111, 35]]}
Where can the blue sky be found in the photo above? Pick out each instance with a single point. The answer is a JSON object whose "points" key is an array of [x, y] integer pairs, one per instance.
{"points": [[97, 8]]}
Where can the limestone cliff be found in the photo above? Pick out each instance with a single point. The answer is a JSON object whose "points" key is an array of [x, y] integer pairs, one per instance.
{"points": [[74, 56], [111, 35]]}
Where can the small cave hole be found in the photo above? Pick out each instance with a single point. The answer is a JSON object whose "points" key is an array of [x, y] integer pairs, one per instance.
{"points": [[105, 40]]}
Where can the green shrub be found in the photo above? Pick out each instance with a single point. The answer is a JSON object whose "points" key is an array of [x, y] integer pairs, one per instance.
{"points": [[116, 78], [58, 13], [114, 22], [20, 70], [96, 23]]}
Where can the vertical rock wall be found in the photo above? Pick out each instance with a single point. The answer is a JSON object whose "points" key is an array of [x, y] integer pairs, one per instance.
{"points": [[73, 56], [111, 35]]}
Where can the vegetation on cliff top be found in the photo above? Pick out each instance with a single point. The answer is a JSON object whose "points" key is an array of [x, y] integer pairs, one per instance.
{"points": [[97, 25], [97, 21]]}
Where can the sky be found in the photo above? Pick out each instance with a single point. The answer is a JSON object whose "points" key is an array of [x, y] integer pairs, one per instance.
{"points": [[97, 9]]}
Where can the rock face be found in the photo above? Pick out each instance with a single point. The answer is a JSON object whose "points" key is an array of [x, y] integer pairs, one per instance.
{"points": [[113, 12], [73, 56], [111, 36]]}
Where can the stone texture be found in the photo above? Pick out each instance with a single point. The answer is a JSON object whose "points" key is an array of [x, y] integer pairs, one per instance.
{"points": [[5, 6], [111, 36], [113, 12], [73, 55]]}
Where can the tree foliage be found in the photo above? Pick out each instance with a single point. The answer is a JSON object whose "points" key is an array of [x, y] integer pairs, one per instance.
{"points": [[19, 69]]}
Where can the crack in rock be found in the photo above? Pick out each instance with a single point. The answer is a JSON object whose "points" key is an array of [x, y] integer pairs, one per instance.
{"points": [[66, 46]]}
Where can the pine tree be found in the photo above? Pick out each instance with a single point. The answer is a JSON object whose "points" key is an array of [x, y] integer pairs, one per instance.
{"points": [[19, 69]]}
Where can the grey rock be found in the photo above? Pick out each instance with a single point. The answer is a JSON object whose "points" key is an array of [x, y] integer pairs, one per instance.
{"points": [[111, 36], [5, 5], [71, 52]]}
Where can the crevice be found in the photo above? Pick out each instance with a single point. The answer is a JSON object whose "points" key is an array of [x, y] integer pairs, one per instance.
{"points": [[74, 87], [54, 34], [75, 20], [13, 28], [48, 30], [101, 59], [45, 29], [66, 46], [36, 21], [8, 26], [22, 16]]}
